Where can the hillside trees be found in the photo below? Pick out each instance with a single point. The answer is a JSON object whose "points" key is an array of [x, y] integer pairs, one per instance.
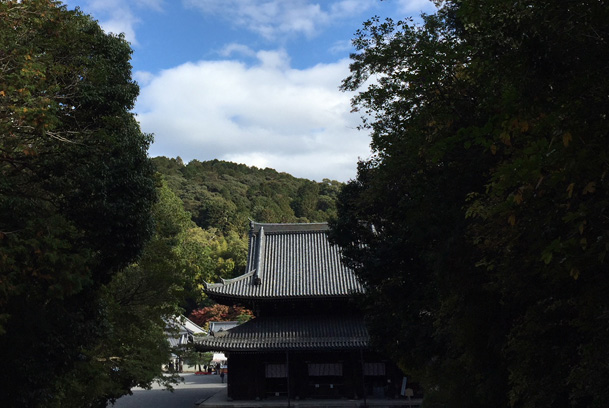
{"points": [[225, 195], [76, 190], [481, 220]]}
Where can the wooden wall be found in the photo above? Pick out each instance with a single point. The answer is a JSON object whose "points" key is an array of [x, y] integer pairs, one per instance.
{"points": [[337, 374]]}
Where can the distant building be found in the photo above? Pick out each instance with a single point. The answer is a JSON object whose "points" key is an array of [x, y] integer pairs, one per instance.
{"points": [[180, 331], [306, 340], [218, 326]]}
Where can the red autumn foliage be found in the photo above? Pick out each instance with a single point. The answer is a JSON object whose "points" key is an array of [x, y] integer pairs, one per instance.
{"points": [[220, 312]]}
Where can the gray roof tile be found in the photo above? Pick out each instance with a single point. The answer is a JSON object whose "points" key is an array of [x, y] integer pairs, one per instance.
{"points": [[287, 333], [290, 260]]}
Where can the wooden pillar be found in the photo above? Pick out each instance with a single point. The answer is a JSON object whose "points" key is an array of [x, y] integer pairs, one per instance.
{"points": [[288, 378], [363, 382]]}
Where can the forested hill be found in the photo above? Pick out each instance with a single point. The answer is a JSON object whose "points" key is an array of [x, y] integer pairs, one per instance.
{"points": [[223, 195]]}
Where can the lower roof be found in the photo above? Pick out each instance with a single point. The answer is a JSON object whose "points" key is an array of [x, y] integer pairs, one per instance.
{"points": [[289, 333]]}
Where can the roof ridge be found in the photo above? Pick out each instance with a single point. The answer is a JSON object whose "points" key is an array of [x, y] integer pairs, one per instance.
{"points": [[260, 248], [283, 224], [226, 281], [287, 227]]}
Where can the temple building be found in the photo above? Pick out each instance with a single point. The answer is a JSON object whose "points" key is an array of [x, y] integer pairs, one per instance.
{"points": [[307, 339]]}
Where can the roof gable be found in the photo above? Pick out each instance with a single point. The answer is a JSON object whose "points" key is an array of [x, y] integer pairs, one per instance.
{"points": [[217, 326]]}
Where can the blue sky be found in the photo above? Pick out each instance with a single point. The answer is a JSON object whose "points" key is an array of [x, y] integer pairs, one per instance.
{"points": [[248, 81]]}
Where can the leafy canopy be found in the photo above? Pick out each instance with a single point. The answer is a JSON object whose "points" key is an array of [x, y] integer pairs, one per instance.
{"points": [[76, 190], [480, 222]]}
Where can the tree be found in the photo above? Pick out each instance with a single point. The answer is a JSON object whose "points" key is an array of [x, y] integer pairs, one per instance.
{"points": [[76, 190], [306, 200], [138, 302], [480, 222], [547, 198], [193, 357]]}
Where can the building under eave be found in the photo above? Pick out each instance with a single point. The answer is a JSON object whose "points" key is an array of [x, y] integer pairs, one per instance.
{"points": [[180, 331], [306, 341]]}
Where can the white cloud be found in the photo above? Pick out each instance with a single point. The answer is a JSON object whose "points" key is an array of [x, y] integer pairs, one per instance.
{"points": [[341, 47], [265, 115], [119, 16], [156, 5], [273, 19], [416, 6], [236, 48], [351, 7], [143, 77]]}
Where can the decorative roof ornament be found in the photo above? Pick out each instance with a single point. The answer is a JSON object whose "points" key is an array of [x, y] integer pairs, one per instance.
{"points": [[259, 250]]}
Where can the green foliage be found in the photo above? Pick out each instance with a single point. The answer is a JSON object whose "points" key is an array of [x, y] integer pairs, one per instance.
{"points": [[193, 357], [210, 256], [76, 190], [481, 222], [134, 346]]}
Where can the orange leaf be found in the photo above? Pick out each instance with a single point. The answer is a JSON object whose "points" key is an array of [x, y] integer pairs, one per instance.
{"points": [[505, 138], [518, 198], [567, 138]]}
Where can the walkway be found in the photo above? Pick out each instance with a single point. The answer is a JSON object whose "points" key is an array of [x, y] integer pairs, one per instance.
{"points": [[188, 394], [220, 400]]}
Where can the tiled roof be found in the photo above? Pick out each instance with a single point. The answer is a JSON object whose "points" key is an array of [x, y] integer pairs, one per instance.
{"points": [[180, 340], [306, 333], [180, 329], [290, 260]]}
